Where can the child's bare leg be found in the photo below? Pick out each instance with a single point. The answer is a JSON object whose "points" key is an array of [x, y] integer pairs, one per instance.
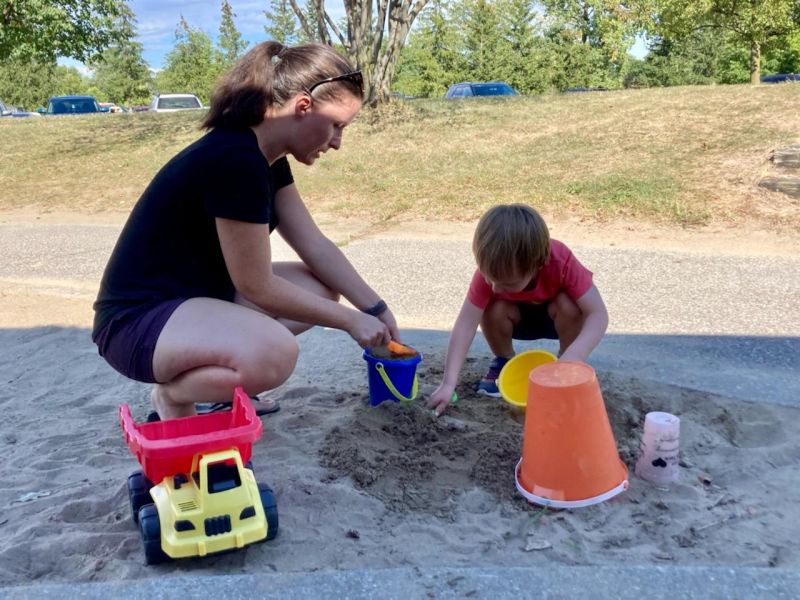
{"points": [[497, 325], [568, 319]]}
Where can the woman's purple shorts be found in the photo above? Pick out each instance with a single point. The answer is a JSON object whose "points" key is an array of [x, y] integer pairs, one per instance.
{"points": [[128, 341]]}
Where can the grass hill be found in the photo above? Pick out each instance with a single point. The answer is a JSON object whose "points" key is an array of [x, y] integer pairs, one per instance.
{"points": [[686, 156]]}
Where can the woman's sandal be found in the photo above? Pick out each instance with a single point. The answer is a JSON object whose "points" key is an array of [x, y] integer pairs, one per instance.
{"points": [[262, 408]]}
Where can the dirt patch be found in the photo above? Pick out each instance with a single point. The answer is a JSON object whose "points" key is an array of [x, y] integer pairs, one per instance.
{"points": [[412, 461]]}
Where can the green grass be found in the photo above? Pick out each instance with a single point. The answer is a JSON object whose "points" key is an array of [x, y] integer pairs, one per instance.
{"points": [[685, 156]]}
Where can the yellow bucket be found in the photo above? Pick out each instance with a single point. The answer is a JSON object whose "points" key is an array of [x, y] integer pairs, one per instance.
{"points": [[513, 379]]}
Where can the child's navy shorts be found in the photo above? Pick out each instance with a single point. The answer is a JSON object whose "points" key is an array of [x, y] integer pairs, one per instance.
{"points": [[534, 323], [128, 341]]}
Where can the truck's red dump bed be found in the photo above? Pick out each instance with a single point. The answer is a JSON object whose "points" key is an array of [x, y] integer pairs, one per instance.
{"points": [[166, 448]]}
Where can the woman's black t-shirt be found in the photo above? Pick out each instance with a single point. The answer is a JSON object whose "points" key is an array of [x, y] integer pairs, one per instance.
{"points": [[169, 247]]}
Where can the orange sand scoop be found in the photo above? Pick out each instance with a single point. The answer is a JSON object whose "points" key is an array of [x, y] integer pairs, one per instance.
{"points": [[401, 349], [394, 350]]}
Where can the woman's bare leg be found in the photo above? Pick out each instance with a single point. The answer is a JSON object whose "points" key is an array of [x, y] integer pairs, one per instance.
{"points": [[299, 274], [210, 346]]}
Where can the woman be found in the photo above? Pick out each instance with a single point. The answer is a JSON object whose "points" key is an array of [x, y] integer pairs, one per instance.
{"points": [[191, 300]]}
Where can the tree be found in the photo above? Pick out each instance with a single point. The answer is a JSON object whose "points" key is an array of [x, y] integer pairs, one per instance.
{"points": [[68, 81], [282, 25], [783, 55], [606, 24], [755, 22], [482, 39], [372, 41], [432, 58], [522, 52], [230, 42], [121, 74], [45, 29], [27, 82], [191, 65], [697, 59]]}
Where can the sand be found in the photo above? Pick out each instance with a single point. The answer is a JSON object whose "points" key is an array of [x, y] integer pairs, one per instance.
{"points": [[387, 486], [360, 486]]}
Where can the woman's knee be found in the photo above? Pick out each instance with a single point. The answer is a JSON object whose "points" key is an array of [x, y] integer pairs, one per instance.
{"points": [[329, 293], [300, 274], [271, 364]]}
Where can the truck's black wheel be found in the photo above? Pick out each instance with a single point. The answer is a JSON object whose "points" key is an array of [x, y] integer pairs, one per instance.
{"points": [[138, 493], [270, 509], [150, 529]]}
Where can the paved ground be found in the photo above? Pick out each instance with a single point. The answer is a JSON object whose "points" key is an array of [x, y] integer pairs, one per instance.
{"points": [[591, 583], [723, 324]]}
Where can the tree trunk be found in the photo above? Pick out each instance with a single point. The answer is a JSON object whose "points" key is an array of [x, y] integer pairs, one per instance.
{"points": [[755, 63], [364, 38]]}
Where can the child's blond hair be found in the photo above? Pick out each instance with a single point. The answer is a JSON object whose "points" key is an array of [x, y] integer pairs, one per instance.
{"points": [[511, 240]]}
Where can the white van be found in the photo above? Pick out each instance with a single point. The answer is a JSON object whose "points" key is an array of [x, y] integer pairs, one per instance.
{"points": [[175, 102]]}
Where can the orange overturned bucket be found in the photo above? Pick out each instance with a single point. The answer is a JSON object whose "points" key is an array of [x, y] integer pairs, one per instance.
{"points": [[569, 455]]}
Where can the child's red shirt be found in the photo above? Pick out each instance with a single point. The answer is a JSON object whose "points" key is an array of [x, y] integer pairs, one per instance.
{"points": [[562, 273]]}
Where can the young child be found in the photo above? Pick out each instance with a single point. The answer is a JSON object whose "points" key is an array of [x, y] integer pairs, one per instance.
{"points": [[526, 287]]}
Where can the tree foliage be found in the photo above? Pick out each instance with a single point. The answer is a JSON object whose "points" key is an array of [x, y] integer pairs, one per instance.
{"points": [[281, 22], [230, 41], [191, 66], [45, 29], [27, 82], [120, 73], [756, 23], [431, 60]]}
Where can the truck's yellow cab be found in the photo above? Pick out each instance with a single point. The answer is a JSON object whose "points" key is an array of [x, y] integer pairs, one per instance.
{"points": [[216, 507]]}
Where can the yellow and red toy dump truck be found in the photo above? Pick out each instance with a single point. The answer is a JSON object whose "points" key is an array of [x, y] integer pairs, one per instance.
{"points": [[205, 498]]}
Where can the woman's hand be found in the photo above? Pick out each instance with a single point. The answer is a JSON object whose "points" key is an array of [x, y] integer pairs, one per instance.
{"points": [[440, 399], [388, 319], [368, 331]]}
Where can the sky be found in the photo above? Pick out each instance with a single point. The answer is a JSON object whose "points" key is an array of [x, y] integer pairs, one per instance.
{"points": [[157, 21]]}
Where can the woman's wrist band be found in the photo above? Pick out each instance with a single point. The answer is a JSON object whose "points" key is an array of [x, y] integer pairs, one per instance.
{"points": [[376, 310]]}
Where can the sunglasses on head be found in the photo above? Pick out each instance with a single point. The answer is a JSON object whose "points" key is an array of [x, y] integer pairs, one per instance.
{"points": [[354, 77]]}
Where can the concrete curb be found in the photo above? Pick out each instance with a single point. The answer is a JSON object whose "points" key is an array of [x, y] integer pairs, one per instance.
{"points": [[620, 583]]}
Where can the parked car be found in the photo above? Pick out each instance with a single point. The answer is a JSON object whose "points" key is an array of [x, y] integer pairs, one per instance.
{"points": [[490, 88], [110, 107], [781, 78], [401, 96], [580, 90], [175, 102], [7, 110], [25, 113], [72, 105]]}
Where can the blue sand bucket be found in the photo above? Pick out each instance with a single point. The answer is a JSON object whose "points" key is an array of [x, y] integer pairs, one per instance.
{"points": [[390, 379]]}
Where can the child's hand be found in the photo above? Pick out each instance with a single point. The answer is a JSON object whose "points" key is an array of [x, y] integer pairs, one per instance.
{"points": [[441, 398]]}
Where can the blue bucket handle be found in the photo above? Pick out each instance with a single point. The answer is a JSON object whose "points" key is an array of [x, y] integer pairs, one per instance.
{"points": [[390, 385]]}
